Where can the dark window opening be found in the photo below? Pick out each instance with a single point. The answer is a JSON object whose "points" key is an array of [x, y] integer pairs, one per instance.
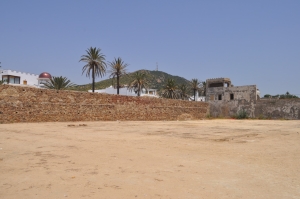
{"points": [[216, 85], [231, 96], [220, 97]]}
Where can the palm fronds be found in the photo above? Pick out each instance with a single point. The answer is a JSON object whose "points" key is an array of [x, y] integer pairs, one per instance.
{"points": [[139, 82], [170, 90], [117, 69], [58, 83], [95, 64]]}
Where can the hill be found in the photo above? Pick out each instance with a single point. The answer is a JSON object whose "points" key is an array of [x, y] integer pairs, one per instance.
{"points": [[156, 80]]}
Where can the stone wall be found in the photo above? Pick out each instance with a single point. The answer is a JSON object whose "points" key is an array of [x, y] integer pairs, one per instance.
{"points": [[24, 104], [278, 108], [264, 109]]}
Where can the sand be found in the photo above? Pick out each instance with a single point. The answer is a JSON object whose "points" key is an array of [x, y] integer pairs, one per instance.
{"points": [[164, 159]]}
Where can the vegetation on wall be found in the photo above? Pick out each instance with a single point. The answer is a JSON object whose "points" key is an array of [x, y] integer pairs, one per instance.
{"points": [[287, 95]]}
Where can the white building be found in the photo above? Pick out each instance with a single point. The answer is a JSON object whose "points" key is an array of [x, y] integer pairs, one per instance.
{"points": [[21, 78], [127, 92], [198, 98]]}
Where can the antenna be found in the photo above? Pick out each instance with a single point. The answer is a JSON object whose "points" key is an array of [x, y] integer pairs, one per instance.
{"points": [[156, 66]]}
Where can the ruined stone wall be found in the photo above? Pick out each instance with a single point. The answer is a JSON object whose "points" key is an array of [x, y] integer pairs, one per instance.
{"points": [[24, 104], [264, 109], [278, 108]]}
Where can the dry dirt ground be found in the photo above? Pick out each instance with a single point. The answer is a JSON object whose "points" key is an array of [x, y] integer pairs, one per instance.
{"points": [[179, 159]]}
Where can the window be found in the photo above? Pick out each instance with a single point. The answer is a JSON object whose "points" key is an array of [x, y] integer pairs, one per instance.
{"points": [[11, 79], [231, 96], [14, 80], [219, 97]]}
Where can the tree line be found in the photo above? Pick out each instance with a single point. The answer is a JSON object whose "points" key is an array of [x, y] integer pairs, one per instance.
{"points": [[96, 66]]}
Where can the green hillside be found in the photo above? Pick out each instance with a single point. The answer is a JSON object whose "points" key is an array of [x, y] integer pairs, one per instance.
{"points": [[156, 80]]}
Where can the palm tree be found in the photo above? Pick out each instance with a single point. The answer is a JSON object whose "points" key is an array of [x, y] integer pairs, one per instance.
{"points": [[195, 85], [58, 83], [139, 82], [183, 91], [95, 62], [117, 69], [170, 90]]}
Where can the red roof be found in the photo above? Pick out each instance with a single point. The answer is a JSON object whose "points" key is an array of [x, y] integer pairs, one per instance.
{"points": [[45, 75]]}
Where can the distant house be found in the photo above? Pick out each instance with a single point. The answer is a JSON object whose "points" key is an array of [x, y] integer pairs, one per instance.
{"points": [[127, 92], [21, 78]]}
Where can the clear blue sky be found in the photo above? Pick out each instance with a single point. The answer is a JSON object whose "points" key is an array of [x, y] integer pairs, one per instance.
{"points": [[251, 42]]}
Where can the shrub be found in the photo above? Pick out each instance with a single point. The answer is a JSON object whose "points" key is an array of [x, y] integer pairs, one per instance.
{"points": [[242, 114]]}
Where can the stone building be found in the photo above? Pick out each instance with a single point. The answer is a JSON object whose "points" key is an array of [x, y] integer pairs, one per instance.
{"points": [[226, 99]]}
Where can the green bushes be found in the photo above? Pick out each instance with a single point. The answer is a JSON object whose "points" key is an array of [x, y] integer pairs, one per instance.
{"points": [[242, 114]]}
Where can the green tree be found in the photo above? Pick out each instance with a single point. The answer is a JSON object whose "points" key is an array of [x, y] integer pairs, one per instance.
{"points": [[117, 69], [95, 63], [139, 82], [195, 86], [183, 91], [267, 96], [170, 90], [58, 83]]}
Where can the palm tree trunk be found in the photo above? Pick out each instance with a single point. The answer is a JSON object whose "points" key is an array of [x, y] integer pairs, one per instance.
{"points": [[93, 77], [118, 84], [194, 95]]}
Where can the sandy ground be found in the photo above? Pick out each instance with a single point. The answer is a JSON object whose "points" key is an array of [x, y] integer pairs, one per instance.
{"points": [[180, 159]]}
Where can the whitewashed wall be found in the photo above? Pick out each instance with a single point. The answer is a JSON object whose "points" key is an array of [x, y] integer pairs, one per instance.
{"points": [[31, 79]]}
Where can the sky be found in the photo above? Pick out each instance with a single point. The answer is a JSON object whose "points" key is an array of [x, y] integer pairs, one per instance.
{"points": [[252, 42]]}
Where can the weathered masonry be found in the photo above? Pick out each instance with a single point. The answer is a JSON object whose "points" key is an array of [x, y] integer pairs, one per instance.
{"points": [[226, 100], [24, 104]]}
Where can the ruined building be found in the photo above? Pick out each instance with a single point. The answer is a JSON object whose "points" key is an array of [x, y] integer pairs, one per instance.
{"points": [[226, 100]]}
